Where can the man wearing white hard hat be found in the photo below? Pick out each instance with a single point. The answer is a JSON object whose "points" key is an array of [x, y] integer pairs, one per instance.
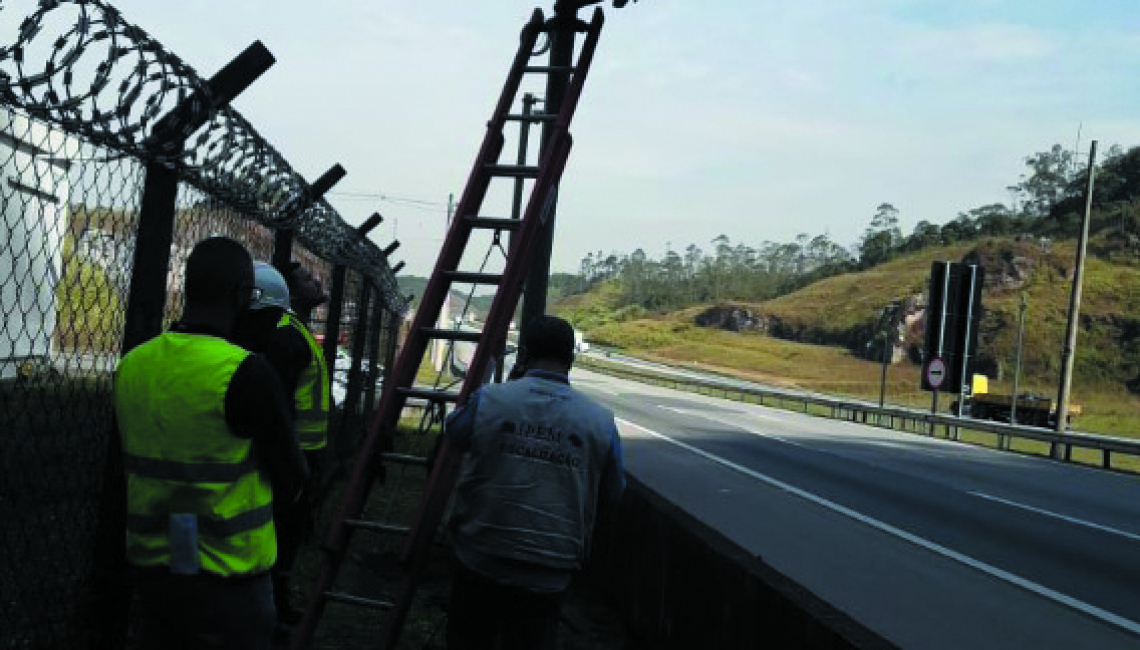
{"points": [[273, 329]]}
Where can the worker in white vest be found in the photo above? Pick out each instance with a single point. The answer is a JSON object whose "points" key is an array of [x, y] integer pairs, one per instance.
{"points": [[538, 458]]}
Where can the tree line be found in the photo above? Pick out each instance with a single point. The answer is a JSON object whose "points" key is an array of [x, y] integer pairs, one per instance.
{"points": [[1047, 201]]}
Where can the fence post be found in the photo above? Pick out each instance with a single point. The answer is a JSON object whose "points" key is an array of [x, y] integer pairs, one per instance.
{"points": [[392, 343], [283, 235], [352, 393], [376, 330], [147, 298], [146, 303]]}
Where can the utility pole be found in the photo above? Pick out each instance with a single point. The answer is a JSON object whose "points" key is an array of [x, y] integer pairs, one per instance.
{"points": [[561, 29], [1075, 305], [440, 347], [561, 33]]}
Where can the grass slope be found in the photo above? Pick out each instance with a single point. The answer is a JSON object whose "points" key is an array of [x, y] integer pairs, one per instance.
{"points": [[1108, 347]]}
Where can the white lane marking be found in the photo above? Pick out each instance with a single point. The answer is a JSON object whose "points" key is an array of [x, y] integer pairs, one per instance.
{"points": [[1001, 574], [1048, 513], [704, 414]]}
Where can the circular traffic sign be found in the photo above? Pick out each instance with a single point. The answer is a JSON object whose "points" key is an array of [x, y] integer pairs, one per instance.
{"points": [[935, 373]]}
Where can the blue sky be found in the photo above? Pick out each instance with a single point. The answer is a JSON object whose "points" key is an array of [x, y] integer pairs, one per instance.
{"points": [[755, 119]]}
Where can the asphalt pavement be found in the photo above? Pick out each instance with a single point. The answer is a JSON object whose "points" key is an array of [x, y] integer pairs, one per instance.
{"points": [[931, 543]]}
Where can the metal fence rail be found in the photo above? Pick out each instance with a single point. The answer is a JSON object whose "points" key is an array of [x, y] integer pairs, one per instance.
{"points": [[84, 100], [891, 417]]}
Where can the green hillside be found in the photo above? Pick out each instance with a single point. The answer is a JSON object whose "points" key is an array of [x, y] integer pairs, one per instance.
{"points": [[813, 337]]}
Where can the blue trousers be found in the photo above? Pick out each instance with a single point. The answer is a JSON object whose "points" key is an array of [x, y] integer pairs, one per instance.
{"points": [[203, 612]]}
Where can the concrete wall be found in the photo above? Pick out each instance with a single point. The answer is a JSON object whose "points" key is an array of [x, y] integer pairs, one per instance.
{"points": [[681, 585]]}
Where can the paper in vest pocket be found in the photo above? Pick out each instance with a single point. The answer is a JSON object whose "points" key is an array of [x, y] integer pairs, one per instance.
{"points": [[184, 544]]}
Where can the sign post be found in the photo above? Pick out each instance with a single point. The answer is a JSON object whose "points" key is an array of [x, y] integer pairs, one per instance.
{"points": [[935, 373]]}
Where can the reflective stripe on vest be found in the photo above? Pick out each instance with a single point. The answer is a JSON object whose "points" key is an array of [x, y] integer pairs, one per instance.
{"points": [[210, 526], [181, 458], [312, 398]]}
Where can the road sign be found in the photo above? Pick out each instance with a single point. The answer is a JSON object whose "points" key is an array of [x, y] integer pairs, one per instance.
{"points": [[935, 373]]}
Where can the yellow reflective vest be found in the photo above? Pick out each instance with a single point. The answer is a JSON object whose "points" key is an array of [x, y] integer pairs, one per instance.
{"points": [[312, 398], [195, 497]]}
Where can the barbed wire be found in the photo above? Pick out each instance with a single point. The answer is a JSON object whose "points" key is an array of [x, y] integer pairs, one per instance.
{"points": [[80, 65]]}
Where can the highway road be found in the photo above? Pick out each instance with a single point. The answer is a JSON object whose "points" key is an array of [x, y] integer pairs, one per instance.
{"points": [[930, 543]]}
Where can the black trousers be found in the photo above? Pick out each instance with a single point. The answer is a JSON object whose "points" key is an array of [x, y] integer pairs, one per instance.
{"points": [[485, 615], [203, 612]]}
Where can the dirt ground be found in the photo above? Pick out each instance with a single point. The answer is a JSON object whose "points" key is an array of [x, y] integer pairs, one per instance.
{"points": [[589, 618]]}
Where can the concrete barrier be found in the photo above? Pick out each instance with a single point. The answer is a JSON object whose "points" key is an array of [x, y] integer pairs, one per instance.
{"points": [[679, 584]]}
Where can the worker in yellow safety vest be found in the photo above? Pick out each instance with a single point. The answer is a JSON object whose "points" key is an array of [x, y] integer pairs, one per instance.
{"points": [[208, 449], [273, 328]]}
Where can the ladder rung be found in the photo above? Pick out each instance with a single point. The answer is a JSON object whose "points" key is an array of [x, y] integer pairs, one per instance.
{"points": [[452, 335], [496, 223], [429, 395], [376, 527], [549, 68], [473, 278], [533, 117], [513, 171], [349, 599], [404, 459]]}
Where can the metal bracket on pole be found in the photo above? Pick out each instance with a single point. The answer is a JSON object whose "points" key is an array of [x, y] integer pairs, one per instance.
{"points": [[147, 298], [283, 237]]}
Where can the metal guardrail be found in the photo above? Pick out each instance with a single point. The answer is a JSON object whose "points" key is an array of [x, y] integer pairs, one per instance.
{"points": [[925, 423]]}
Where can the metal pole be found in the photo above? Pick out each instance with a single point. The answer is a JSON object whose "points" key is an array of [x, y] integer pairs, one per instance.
{"points": [[888, 349], [561, 28], [334, 314], [528, 102], [1075, 303], [391, 344], [336, 300], [440, 348], [147, 298], [965, 379], [350, 412], [1017, 364], [376, 330]]}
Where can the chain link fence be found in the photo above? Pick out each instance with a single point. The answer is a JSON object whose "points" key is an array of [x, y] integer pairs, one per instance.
{"points": [[81, 94]]}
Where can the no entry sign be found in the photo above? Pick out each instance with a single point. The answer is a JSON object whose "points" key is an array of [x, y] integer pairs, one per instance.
{"points": [[935, 373]]}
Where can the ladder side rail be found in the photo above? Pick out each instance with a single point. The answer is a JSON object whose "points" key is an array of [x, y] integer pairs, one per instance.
{"points": [[502, 305], [387, 413], [445, 473], [391, 403], [552, 166], [385, 417]]}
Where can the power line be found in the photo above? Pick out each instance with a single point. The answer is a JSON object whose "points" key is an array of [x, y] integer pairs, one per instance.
{"points": [[392, 198]]}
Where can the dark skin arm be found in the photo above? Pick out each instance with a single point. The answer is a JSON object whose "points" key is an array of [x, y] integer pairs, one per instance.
{"points": [[257, 408]]}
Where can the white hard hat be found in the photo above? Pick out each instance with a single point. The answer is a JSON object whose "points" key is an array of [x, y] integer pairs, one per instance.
{"points": [[274, 292]]}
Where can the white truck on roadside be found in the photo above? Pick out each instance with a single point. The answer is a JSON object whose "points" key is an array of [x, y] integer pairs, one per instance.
{"points": [[34, 207]]}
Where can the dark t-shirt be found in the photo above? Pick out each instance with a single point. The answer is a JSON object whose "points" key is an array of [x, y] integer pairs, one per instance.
{"points": [[284, 348]]}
